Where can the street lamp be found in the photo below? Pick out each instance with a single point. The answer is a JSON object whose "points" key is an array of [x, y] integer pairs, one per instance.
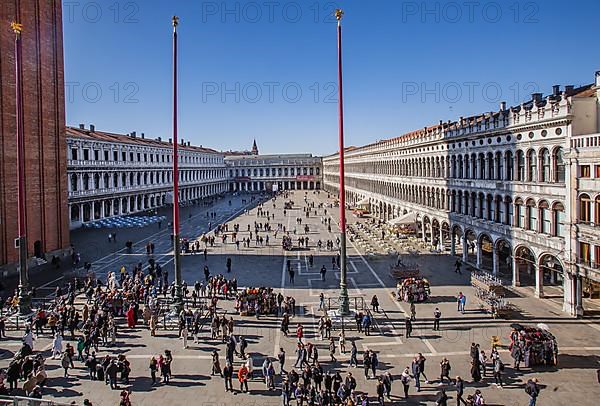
{"points": [[21, 241], [178, 298], [344, 305]]}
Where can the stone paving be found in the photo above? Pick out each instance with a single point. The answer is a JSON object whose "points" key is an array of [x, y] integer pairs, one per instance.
{"points": [[579, 340]]}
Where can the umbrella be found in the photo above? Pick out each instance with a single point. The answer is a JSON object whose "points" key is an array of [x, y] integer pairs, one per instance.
{"points": [[516, 326], [543, 326]]}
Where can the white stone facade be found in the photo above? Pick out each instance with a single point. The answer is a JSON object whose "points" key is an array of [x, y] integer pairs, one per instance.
{"points": [[114, 174], [255, 173], [503, 189]]}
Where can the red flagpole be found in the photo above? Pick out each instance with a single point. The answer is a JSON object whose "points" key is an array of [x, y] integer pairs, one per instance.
{"points": [[344, 305], [24, 302], [176, 241]]}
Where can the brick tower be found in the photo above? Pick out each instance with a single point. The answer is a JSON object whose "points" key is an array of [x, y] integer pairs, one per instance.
{"points": [[44, 129]]}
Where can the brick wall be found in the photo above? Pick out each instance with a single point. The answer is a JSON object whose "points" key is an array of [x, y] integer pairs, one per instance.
{"points": [[44, 127]]}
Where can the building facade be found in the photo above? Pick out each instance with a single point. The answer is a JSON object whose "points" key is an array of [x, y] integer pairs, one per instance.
{"points": [[515, 192], [257, 173], [114, 174], [44, 130]]}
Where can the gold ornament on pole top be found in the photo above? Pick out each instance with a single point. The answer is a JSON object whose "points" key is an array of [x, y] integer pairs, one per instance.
{"points": [[175, 20], [16, 27], [339, 13]]}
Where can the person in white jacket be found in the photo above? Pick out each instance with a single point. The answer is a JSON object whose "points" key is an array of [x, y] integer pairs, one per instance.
{"points": [[57, 346]]}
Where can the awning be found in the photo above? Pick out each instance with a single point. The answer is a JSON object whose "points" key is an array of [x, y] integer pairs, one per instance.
{"points": [[408, 218], [363, 202]]}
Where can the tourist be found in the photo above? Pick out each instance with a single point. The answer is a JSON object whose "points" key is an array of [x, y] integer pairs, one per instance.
{"points": [[413, 311], [216, 365], [405, 379], [498, 370], [281, 359], [380, 391], [228, 376], [533, 390], [460, 390], [353, 355], [441, 398], [375, 304], [332, 350], [408, 327], [153, 368], [243, 378], [437, 314], [445, 370], [342, 342]]}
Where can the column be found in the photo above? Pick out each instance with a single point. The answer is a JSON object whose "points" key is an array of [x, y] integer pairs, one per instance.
{"points": [[579, 296], [452, 244], [539, 281], [441, 239], [423, 231], [81, 212], [465, 249], [479, 254], [569, 293], [515, 268], [495, 261]]}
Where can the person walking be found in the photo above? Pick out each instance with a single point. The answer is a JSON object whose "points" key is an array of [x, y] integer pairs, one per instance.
{"points": [[413, 312], [228, 376], [405, 379], [380, 391], [387, 382], [437, 314], [375, 304], [533, 390], [460, 390], [445, 370], [441, 398], [416, 372], [374, 363], [332, 350], [323, 271], [408, 327], [216, 365], [281, 359], [353, 354], [342, 342], [498, 370]]}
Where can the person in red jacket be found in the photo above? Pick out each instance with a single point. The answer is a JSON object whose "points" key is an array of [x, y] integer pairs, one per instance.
{"points": [[243, 378]]}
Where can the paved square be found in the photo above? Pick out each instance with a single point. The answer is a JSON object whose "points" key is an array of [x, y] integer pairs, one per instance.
{"points": [[573, 381]]}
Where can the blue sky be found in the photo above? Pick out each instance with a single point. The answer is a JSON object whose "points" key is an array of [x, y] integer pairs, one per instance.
{"points": [[266, 70]]}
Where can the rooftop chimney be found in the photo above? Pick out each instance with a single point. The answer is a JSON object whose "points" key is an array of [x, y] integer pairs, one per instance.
{"points": [[142, 135], [556, 90], [188, 143], [92, 128], [598, 78], [170, 140], [182, 142], [159, 139], [503, 106], [536, 97], [133, 134], [569, 89], [82, 126]]}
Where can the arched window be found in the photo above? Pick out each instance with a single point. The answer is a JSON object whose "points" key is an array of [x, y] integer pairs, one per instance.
{"points": [[597, 212], [545, 217], [532, 170], [520, 166], [96, 181], [559, 165], [510, 165], [520, 213], [585, 209], [531, 215], [545, 161], [558, 216]]}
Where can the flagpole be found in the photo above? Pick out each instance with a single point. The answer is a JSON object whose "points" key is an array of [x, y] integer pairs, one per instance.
{"points": [[178, 299], [344, 305], [21, 242]]}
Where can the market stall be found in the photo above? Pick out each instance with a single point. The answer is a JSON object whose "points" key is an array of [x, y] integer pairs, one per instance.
{"points": [[533, 345], [247, 300], [413, 290], [490, 291]]}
